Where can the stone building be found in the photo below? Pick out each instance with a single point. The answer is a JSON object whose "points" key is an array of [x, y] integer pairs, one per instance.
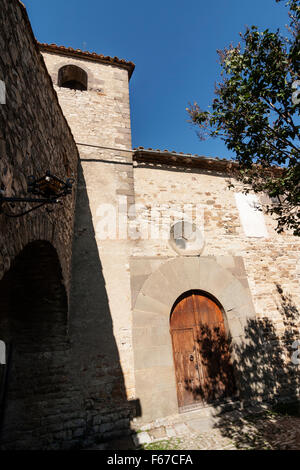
{"points": [[156, 291]]}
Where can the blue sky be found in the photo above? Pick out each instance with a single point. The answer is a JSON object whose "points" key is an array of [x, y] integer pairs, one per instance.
{"points": [[173, 44]]}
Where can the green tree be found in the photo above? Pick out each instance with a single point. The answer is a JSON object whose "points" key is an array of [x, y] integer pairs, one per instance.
{"points": [[255, 112]]}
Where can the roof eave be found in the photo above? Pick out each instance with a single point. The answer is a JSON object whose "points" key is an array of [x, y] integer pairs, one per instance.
{"points": [[92, 56], [181, 159]]}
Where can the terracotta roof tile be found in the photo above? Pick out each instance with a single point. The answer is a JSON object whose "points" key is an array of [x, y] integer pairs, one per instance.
{"points": [[88, 55], [150, 155]]}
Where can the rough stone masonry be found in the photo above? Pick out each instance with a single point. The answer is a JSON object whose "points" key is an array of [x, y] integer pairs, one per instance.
{"points": [[87, 319]]}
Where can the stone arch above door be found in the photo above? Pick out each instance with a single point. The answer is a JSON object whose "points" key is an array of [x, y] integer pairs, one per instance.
{"points": [[153, 302]]}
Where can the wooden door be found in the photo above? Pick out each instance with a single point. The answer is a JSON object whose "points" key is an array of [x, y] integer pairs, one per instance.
{"points": [[187, 368], [201, 353]]}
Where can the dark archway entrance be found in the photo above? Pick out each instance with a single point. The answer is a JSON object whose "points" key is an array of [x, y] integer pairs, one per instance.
{"points": [[33, 321], [201, 352]]}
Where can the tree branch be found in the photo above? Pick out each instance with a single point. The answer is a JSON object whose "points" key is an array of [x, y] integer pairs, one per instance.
{"points": [[287, 117]]}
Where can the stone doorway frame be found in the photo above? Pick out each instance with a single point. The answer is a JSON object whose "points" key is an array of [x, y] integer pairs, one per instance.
{"points": [[154, 294]]}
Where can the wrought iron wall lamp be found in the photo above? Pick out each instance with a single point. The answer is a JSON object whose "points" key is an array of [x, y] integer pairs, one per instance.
{"points": [[48, 190]]}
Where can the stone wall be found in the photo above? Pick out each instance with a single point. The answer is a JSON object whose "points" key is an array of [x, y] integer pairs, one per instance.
{"points": [[268, 267], [100, 311], [76, 394], [99, 116], [268, 261], [111, 348], [125, 265], [34, 138], [35, 249], [33, 323]]}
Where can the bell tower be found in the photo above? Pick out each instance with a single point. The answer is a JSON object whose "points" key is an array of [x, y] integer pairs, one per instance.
{"points": [[93, 91]]}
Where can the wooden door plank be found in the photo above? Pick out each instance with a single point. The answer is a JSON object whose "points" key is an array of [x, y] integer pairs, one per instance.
{"points": [[183, 315], [198, 332], [185, 360]]}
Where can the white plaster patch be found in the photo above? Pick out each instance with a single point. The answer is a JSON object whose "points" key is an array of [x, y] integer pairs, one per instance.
{"points": [[252, 219], [2, 353], [2, 92]]}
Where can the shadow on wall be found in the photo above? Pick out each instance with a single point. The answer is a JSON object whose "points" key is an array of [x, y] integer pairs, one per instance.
{"points": [[217, 370], [33, 325], [63, 387], [267, 373], [95, 358]]}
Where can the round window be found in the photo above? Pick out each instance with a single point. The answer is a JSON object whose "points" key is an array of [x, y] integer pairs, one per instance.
{"points": [[186, 239]]}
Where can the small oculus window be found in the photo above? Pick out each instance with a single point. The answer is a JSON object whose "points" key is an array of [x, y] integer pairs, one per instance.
{"points": [[186, 239]]}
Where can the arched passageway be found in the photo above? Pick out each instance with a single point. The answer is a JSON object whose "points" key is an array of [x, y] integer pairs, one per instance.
{"points": [[201, 350], [33, 321]]}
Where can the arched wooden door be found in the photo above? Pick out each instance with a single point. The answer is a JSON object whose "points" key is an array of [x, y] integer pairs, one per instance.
{"points": [[201, 351]]}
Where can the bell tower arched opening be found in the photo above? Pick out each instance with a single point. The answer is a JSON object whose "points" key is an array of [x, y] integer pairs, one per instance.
{"points": [[73, 77]]}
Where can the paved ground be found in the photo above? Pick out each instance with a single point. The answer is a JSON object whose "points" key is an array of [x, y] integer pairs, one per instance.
{"points": [[208, 429], [264, 434]]}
